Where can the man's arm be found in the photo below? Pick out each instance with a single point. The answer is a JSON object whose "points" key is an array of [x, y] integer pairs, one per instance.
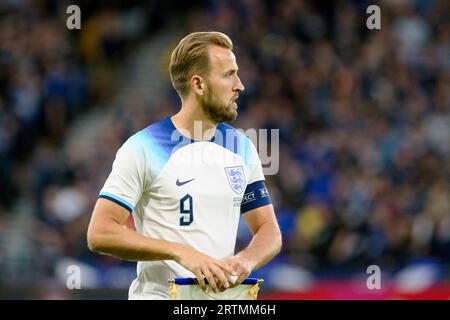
{"points": [[108, 234], [264, 246]]}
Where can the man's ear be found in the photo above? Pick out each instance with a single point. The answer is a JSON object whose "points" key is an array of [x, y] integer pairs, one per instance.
{"points": [[198, 85]]}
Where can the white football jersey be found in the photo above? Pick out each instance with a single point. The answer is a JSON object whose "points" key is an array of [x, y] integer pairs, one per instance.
{"points": [[185, 191]]}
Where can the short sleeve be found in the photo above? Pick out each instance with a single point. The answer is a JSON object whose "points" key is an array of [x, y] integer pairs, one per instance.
{"points": [[126, 182], [253, 163], [256, 194]]}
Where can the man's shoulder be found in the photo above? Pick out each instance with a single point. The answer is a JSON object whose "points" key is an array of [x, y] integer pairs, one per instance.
{"points": [[155, 140], [236, 141], [161, 127], [145, 138], [230, 131], [154, 131]]}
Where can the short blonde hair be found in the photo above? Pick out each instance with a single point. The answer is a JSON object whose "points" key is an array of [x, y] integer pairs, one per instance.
{"points": [[191, 57]]}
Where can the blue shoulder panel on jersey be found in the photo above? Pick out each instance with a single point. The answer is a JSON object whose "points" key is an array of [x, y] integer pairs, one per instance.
{"points": [[161, 138], [116, 199], [157, 140], [255, 196], [161, 133], [235, 141]]}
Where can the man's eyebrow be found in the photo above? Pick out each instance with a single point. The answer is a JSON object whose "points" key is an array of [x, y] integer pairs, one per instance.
{"points": [[232, 70]]}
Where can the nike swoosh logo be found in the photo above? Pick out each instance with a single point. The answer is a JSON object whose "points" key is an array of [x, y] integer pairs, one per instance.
{"points": [[180, 183]]}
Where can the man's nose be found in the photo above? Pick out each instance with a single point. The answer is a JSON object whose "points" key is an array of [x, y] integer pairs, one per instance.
{"points": [[239, 86]]}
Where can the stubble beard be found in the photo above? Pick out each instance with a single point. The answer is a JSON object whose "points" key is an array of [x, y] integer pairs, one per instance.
{"points": [[215, 109]]}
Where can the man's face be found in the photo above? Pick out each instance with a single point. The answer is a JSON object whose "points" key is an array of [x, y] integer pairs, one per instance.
{"points": [[222, 85]]}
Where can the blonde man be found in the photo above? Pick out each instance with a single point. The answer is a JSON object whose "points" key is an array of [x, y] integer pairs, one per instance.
{"points": [[187, 191]]}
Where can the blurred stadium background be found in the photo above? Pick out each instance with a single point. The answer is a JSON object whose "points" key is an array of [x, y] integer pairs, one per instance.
{"points": [[364, 119]]}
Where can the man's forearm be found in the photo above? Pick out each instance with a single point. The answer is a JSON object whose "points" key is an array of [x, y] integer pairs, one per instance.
{"points": [[127, 244], [265, 244]]}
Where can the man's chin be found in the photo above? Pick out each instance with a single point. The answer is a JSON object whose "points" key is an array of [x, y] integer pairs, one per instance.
{"points": [[231, 116], [228, 114], [233, 112]]}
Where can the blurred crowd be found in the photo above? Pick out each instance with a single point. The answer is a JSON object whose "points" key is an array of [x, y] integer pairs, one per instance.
{"points": [[364, 119], [49, 76]]}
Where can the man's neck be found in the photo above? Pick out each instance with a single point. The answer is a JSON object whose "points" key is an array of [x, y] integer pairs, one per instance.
{"points": [[193, 121]]}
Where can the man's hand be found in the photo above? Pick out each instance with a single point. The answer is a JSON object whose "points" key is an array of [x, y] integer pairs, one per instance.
{"points": [[241, 267], [204, 266]]}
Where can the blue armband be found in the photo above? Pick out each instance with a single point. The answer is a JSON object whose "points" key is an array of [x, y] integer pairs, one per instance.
{"points": [[255, 196]]}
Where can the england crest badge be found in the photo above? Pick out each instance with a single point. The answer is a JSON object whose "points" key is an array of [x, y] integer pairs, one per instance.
{"points": [[236, 178]]}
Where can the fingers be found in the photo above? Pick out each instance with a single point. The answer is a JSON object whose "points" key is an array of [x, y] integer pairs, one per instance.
{"points": [[213, 273], [210, 279], [201, 280], [226, 267], [220, 275], [206, 267], [239, 269], [222, 288]]}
